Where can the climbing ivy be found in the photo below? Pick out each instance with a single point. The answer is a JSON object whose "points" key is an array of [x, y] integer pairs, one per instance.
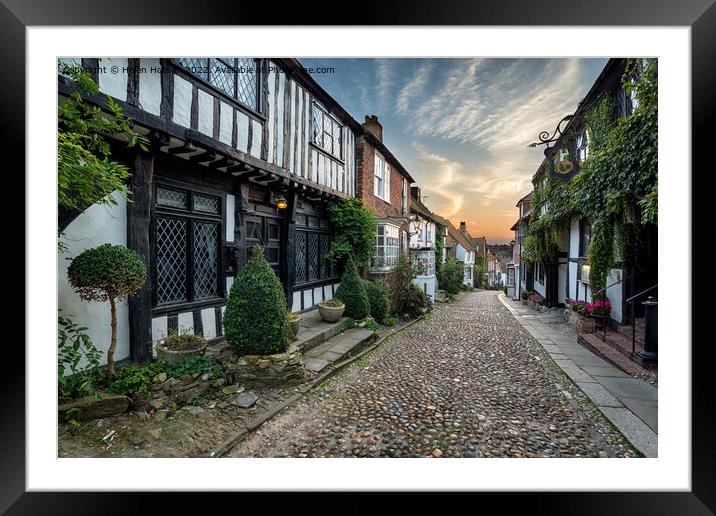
{"points": [[619, 177]]}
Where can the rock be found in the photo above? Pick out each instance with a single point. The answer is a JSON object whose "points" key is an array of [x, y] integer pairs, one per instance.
{"points": [[185, 378], [603, 454], [437, 453], [161, 415], [191, 409], [136, 440], [219, 382], [161, 377], [230, 389], [244, 400], [90, 407], [159, 403], [205, 377], [140, 400]]}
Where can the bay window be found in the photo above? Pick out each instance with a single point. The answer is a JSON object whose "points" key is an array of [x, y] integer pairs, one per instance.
{"points": [[387, 246]]}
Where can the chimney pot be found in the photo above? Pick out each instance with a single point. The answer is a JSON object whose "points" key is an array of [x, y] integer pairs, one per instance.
{"points": [[462, 226], [371, 124]]}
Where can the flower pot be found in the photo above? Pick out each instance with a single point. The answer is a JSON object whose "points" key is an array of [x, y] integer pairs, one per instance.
{"points": [[330, 313], [295, 324], [172, 357]]}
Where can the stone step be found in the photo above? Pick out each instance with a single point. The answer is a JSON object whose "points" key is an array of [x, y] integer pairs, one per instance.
{"points": [[338, 348], [609, 353], [314, 331]]}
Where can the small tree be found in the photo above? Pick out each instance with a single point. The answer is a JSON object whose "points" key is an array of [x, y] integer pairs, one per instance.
{"points": [[352, 292], [450, 276], [107, 273], [256, 317]]}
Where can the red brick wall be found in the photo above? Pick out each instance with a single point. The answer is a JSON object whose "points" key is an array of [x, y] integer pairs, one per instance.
{"points": [[365, 154]]}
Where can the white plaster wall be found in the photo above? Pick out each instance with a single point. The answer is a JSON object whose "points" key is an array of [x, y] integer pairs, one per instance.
{"points": [[572, 280], [574, 238], [271, 107], [427, 284], [113, 83], [205, 119], [181, 113], [616, 293], [99, 224], [150, 86], [159, 329], [185, 322], [256, 136], [208, 322], [317, 295], [230, 217], [226, 122], [296, 304], [540, 288], [242, 132], [327, 292], [562, 283]]}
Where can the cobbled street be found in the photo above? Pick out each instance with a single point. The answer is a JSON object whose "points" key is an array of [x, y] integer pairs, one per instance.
{"points": [[468, 381]]}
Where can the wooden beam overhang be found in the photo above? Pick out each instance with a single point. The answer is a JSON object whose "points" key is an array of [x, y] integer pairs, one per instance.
{"points": [[204, 150]]}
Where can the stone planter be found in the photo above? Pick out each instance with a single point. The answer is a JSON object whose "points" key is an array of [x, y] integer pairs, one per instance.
{"points": [[295, 324], [270, 370], [172, 357], [330, 313], [580, 323]]}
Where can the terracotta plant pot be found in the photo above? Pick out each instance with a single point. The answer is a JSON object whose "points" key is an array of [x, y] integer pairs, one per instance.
{"points": [[330, 313], [172, 357]]}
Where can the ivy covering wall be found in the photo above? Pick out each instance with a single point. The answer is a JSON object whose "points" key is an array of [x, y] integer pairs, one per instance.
{"points": [[618, 179]]}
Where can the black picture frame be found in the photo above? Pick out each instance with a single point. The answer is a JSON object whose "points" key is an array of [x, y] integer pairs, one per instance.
{"points": [[700, 15]]}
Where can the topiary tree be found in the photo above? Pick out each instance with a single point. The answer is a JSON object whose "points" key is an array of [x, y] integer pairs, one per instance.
{"points": [[256, 316], [107, 273], [378, 298], [352, 292]]}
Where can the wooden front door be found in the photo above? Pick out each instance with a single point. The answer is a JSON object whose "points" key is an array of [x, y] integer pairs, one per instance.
{"points": [[265, 230]]}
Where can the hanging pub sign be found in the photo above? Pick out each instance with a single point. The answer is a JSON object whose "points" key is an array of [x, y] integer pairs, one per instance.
{"points": [[562, 155]]}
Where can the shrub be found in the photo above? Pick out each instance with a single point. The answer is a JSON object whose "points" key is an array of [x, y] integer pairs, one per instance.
{"points": [[74, 347], [352, 292], [355, 228], [107, 273], [256, 316], [182, 340], [135, 378], [416, 301], [402, 280], [192, 364], [450, 276], [525, 294], [378, 293]]}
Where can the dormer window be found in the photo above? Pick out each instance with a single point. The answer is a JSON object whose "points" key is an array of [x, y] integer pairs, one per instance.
{"points": [[327, 132], [237, 77]]}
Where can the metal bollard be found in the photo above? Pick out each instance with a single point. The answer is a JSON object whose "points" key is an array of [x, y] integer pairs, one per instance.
{"points": [[651, 331]]}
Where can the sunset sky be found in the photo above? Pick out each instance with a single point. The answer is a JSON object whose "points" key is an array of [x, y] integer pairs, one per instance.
{"points": [[461, 126]]}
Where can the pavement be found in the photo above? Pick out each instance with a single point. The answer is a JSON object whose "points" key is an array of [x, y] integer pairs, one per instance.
{"points": [[629, 403], [468, 381]]}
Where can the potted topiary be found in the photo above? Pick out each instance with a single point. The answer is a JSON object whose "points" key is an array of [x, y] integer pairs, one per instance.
{"points": [[295, 321], [107, 273], [179, 345], [352, 292], [331, 310]]}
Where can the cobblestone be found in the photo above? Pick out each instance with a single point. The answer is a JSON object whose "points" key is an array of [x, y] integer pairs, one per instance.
{"points": [[467, 382]]}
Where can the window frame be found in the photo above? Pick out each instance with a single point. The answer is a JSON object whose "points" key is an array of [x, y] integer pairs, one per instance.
{"points": [[335, 124], [384, 245], [379, 192], [191, 216], [205, 79], [333, 272]]}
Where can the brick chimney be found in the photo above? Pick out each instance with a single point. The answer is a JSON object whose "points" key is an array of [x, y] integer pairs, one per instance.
{"points": [[415, 192], [371, 124], [462, 227]]}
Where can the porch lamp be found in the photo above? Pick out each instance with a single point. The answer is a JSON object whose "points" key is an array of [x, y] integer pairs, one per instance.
{"points": [[281, 202]]}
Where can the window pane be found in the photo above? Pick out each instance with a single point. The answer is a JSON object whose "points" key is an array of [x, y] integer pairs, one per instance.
{"points": [[317, 126], [325, 241], [247, 82], [206, 204], [312, 256], [300, 257], [206, 260], [222, 76], [171, 261], [171, 198], [197, 66]]}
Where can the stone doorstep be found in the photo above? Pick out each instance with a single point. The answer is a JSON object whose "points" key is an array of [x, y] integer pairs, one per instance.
{"points": [[338, 348], [314, 331]]}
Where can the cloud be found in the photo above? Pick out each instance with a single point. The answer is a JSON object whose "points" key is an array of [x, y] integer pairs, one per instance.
{"points": [[414, 86], [499, 106]]}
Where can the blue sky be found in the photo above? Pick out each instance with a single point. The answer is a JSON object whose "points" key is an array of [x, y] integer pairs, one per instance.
{"points": [[461, 126]]}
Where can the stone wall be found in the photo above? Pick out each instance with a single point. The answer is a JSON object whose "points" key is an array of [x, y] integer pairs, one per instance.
{"points": [[269, 370], [579, 323]]}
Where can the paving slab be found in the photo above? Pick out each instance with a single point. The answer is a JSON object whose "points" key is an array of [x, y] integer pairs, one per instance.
{"points": [[315, 364], [605, 371], [599, 395], [634, 429]]}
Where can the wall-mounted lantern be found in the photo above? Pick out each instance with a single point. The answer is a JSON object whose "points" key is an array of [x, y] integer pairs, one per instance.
{"points": [[280, 202]]}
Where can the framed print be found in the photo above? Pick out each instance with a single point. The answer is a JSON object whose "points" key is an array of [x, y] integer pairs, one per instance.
{"points": [[427, 245]]}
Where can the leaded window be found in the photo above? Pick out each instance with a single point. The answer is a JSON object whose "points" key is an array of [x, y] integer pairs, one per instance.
{"points": [[237, 77], [187, 244], [327, 132], [313, 240]]}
